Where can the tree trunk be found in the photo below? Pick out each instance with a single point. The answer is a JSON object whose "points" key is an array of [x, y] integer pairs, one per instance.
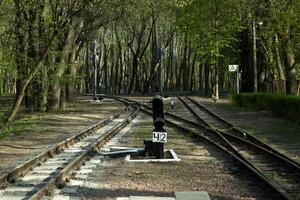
{"points": [[134, 74], [27, 80], [184, 65], [105, 69], [280, 68], [117, 77], [207, 78], [247, 75], [255, 86], [289, 61], [87, 66], [112, 69], [290, 72], [20, 46], [200, 76], [72, 69], [192, 80], [298, 88], [57, 85]]}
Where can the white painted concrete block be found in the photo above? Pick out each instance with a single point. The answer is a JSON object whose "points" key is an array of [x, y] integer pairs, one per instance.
{"points": [[61, 197], [11, 197], [75, 182], [150, 198]]}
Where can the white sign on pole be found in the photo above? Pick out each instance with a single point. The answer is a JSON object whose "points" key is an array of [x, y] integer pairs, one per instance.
{"points": [[160, 137], [233, 68]]}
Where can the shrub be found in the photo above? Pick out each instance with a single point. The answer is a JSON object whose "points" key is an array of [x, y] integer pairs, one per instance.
{"points": [[287, 107]]}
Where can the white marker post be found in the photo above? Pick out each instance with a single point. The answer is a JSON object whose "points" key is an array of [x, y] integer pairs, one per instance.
{"points": [[235, 68]]}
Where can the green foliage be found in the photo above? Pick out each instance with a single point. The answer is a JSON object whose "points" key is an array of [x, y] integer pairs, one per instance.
{"points": [[25, 123], [213, 22], [297, 66], [287, 107], [20, 126]]}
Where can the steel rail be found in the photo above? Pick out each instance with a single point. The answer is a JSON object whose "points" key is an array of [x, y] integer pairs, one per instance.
{"points": [[61, 178], [243, 133], [23, 168], [249, 142], [228, 139], [246, 135], [232, 152], [246, 164], [198, 118]]}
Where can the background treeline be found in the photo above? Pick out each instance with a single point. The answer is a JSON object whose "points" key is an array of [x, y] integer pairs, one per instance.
{"points": [[52, 50]]}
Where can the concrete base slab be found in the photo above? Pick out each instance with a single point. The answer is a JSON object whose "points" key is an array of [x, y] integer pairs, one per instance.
{"points": [[61, 197], [76, 183], [85, 171], [47, 167], [81, 176], [150, 198], [81, 144], [116, 148], [95, 161], [87, 168], [95, 136], [74, 150], [121, 152], [192, 196], [57, 162], [36, 171], [173, 159], [20, 189], [36, 177], [11, 197], [70, 190]]}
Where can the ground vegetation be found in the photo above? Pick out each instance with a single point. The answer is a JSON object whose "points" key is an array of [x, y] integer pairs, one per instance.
{"points": [[53, 50]]}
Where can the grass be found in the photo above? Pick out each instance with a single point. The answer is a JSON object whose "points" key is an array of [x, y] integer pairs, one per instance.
{"points": [[275, 131], [281, 133], [279, 126], [283, 106], [24, 123], [233, 107], [20, 126], [28, 122]]}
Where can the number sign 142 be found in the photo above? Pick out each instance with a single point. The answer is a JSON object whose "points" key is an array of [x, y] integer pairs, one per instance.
{"points": [[159, 137]]}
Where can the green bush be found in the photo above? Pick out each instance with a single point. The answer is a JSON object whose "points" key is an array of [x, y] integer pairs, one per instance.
{"points": [[287, 107]]}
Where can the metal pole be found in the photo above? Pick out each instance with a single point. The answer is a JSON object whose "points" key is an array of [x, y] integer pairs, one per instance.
{"points": [[95, 70], [237, 80], [254, 55], [161, 71], [95, 80]]}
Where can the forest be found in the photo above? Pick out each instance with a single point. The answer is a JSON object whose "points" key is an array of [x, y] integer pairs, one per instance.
{"points": [[51, 51]]}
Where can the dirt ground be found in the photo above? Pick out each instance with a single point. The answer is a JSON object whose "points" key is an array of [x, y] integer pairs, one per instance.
{"points": [[37, 132], [202, 168], [281, 134]]}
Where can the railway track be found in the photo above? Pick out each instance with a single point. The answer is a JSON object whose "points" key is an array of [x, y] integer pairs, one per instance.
{"points": [[37, 177], [283, 173], [274, 169], [219, 122]]}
